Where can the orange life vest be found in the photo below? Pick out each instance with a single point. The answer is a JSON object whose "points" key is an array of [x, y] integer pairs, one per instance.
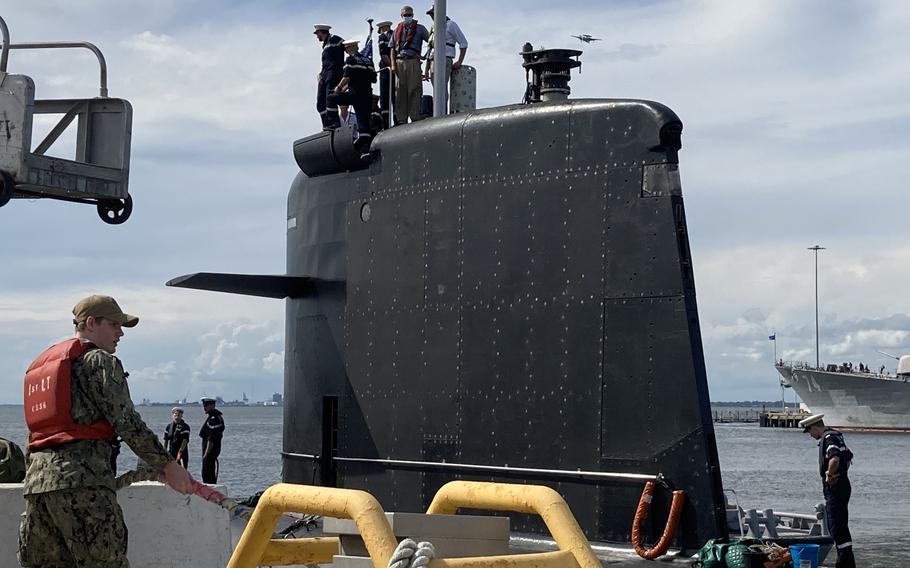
{"points": [[49, 402]]}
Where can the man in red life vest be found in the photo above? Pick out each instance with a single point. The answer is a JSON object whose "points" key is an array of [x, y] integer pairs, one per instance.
{"points": [[405, 49], [76, 401]]}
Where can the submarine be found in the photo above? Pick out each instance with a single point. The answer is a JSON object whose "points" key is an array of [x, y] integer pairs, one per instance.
{"points": [[503, 294]]}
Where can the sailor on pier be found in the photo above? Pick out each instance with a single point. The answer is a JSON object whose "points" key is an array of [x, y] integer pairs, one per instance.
{"points": [[833, 462], [211, 433]]}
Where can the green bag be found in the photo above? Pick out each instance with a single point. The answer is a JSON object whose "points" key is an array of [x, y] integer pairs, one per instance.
{"points": [[712, 554], [12, 462], [736, 556]]}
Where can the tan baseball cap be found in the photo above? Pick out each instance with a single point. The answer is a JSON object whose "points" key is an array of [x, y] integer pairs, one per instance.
{"points": [[102, 307]]}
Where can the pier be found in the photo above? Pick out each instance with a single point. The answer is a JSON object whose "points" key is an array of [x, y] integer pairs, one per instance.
{"points": [[781, 419], [764, 418]]}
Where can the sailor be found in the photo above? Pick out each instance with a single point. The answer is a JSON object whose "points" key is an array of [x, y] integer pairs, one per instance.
{"points": [[386, 95], [405, 49], [211, 433], [833, 463], [177, 437], [452, 36], [76, 401], [347, 117], [329, 75], [356, 89]]}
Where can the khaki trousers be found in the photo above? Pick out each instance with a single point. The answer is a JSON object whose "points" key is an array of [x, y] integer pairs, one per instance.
{"points": [[409, 90]]}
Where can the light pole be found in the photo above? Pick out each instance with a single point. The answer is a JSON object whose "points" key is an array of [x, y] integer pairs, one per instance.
{"points": [[816, 248]]}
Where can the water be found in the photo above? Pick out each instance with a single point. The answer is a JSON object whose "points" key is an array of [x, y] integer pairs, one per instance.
{"points": [[250, 457], [778, 468], [767, 467]]}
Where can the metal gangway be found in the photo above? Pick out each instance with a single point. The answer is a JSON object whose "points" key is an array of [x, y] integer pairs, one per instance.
{"points": [[98, 174]]}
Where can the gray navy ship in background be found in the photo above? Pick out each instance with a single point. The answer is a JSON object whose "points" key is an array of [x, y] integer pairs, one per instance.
{"points": [[853, 399], [502, 294]]}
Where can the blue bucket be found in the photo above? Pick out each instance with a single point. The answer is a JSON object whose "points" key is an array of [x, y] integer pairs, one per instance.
{"points": [[804, 555]]}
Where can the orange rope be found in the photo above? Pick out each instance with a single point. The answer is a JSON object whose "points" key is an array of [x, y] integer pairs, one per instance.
{"points": [[641, 513]]}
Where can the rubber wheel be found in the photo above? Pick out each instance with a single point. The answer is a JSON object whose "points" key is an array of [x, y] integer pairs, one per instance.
{"points": [[6, 188], [115, 211]]}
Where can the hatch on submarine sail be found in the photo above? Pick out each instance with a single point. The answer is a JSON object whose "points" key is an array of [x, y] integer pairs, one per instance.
{"points": [[497, 295]]}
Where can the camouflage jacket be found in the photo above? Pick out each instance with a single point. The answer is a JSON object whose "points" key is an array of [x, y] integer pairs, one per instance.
{"points": [[99, 392]]}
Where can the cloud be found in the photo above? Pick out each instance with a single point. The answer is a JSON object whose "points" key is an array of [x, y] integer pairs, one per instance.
{"points": [[794, 120]]}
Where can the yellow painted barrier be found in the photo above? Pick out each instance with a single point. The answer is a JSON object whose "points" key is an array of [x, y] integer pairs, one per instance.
{"points": [[287, 552], [256, 543], [557, 559], [534, 499]]}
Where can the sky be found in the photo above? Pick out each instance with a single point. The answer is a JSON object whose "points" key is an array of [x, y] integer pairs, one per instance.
{"points": [[796, 131]]}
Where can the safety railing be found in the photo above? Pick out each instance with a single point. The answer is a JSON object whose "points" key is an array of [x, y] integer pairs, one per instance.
{"points": [[256, 547], [6, 46]]}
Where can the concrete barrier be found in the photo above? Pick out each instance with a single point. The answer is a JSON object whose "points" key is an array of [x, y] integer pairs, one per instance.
{"points": [[166, 530]]}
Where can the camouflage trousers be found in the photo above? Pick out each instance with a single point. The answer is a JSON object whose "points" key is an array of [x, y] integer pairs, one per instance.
{"points": [[73, 528]]}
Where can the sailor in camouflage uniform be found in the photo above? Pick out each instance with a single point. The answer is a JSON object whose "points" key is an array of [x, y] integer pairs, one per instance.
{"points": [[72, 518]]}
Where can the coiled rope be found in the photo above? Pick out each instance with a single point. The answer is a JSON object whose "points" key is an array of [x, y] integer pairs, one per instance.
{"points": [[669, 533], [410, 554]]}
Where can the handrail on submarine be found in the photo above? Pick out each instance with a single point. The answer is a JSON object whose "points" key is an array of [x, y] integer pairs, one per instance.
{"points": [[7, 46], [496, 468]]}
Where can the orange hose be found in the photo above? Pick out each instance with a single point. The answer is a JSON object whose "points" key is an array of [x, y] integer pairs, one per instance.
{"points": [[641, 513]]}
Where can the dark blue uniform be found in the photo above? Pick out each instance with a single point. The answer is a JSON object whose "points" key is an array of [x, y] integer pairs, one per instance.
{"points": [[332, 68], [359, 94], [386, 85], [837, 496], [211, 433], [174, 435]]}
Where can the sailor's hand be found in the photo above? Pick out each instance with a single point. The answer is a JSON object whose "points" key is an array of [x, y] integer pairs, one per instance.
{"points": [[456, 65], [178, 478], [831, 478]]}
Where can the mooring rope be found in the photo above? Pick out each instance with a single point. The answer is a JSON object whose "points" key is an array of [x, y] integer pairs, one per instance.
{"points": [[410, 554]]}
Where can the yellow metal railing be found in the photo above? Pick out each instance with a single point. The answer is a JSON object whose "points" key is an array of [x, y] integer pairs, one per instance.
{"points": [[256, 547], [534, 499]]}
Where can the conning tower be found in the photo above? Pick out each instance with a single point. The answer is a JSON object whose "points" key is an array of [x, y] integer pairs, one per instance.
{"points": [[501, 294]]}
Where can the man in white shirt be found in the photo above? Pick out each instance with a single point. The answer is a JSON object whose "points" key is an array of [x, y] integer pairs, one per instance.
{"points": [[347, 116], [453, 36]]}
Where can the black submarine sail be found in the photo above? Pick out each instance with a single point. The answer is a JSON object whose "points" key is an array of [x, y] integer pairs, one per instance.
{"points": [[499, 294]]}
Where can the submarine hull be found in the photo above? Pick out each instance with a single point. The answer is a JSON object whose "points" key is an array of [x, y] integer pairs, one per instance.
{"points": [[508, 289]]}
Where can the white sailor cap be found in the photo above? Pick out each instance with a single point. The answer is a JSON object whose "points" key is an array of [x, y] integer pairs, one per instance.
{"points": [[805, 423], [207, 399], [321, 28], [354, 43], [177, 409], [384, 23]]}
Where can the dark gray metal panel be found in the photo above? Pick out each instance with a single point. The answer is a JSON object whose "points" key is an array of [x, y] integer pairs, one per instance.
{"points": [[406, 151], [396, 230], [647, 359], [442, 249], [641, 243], [491, 294], [503, 144]]}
